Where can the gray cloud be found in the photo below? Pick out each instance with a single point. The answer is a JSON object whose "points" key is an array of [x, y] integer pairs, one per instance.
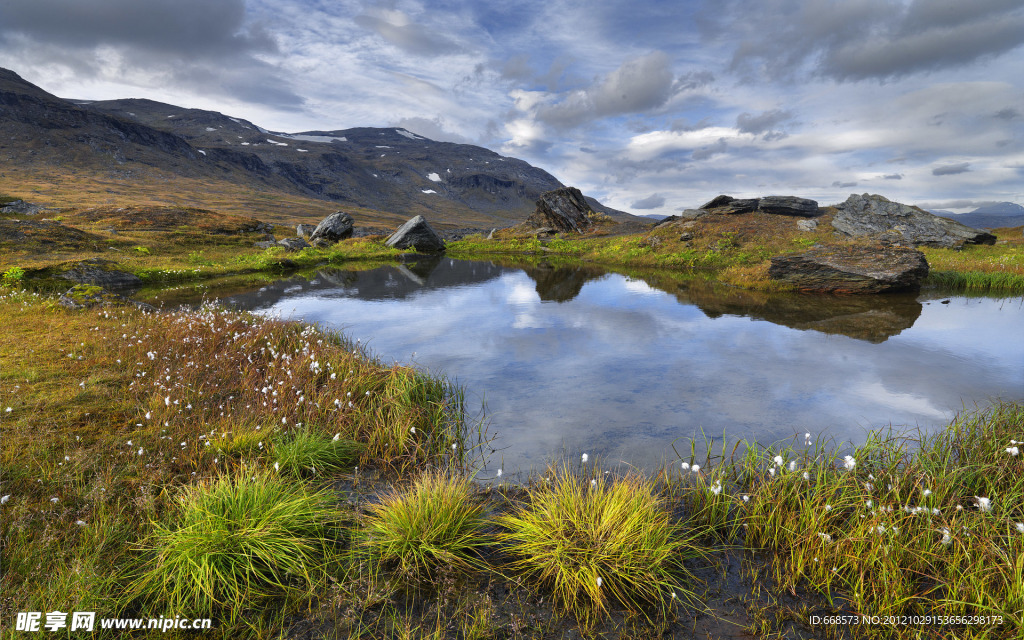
{"points": [[952, 169], [205, 45], [1008, 113], [957, 204], [762, 122], [650, 202], [893, 176], [407, 35], [843, 185], [638, 85], [186, 28], [711, 150], [862, 39]]}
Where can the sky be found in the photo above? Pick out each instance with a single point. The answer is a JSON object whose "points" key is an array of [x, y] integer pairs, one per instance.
{"points": [[651, 107]]}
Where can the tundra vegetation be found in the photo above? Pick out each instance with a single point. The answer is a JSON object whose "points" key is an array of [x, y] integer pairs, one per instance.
{"points": [[276, 478]]}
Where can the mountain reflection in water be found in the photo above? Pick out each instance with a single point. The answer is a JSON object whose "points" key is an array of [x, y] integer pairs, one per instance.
{"points": [[572, 359]]}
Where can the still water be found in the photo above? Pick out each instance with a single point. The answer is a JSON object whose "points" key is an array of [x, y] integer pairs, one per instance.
{"points": [[573, 360]]}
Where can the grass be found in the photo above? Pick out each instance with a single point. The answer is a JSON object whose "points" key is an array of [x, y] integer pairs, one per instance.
{"points": [[233, 541], [590, 542], [436, 523], [139, 460]]}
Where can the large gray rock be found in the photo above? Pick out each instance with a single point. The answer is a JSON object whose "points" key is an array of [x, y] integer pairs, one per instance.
{"points": [[892, 222], [564, 210], [788, 206], [21, 207], [335, 227], [416, 233], [851, 269], [304, 230], [729, 205], [293, 244], [94, 272]]}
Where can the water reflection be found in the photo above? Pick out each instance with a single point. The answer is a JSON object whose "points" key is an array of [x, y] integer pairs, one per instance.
{"points": [[570, 357]]}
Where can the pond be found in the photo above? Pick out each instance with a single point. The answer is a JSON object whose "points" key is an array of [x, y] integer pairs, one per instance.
{"points": [[572, 359]]}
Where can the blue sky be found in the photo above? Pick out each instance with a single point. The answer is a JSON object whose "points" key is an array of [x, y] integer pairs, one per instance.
{"points": [[652, 107]]}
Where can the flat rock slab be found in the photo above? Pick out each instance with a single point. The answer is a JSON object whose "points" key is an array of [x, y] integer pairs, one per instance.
{"points": [[94, 274], [852, 269], [788, 206], [892, 222]]}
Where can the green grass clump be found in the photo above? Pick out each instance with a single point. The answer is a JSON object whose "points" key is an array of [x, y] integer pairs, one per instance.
{"points": [[306, 453], [235, 540], [591, 542], [436, 522]]}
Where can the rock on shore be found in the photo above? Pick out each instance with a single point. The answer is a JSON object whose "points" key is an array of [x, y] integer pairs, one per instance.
{"points": [[892, 223], [852, 269]]}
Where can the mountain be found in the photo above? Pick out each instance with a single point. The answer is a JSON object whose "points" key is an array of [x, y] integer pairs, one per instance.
{"points": [[993, 216], [131, 142]]}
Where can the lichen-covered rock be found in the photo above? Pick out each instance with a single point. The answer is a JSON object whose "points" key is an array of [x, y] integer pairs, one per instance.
{"points": [[418, 234], [334, 228], [895, 223], [788, 206], [851, 269], [564, 210], [304, 230]]}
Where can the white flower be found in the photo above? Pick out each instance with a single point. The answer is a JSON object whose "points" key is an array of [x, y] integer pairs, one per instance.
{"points": [[778, 461], [499, 473], [54, 500], [4, 499], [685, 466], [807, 476], [984, 504], [80, 523], [412, 430], [149, 414], [926, 492], [695, 468], [868, 503], [716, 488], [277, 467], [792, 466], [1020, 525], [140, 451], [746, 498], [584, 458], [825, 537], [336, 437], [599, 581], [771, 471], [946, 540], [1013, 451], [807, 439], [828, 507], [849, 462]]}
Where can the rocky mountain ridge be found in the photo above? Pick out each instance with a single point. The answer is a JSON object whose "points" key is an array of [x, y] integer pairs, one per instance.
{"points": [[385, 169]]}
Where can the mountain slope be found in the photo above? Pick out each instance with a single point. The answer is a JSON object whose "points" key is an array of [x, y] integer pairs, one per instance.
{"points": [[1000, 214], [390, 170]]}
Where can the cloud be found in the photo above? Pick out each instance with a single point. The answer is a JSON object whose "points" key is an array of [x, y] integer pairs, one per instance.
{"points": [[764, 122], [951, 169], [650, 202], [638, 85], [862, 39], [843, 185], [720, 146], [957, 204], [208, 46], [398, 28], [1008, 113], [893, 176]]}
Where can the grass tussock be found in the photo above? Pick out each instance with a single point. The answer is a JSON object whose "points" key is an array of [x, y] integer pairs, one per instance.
{"points": [[233, 541], [436, 523], [591, 542]]}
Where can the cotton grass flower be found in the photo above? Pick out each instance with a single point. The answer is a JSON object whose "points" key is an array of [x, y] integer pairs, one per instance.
{"points": [[1013, 451], [696, 468], [1020, 525], [584, 458], [716, 488], [778, 461], [5, 498], [685, 466], [984, 504], [849, 462]]}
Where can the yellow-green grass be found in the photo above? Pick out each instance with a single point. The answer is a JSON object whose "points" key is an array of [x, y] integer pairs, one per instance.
{"points": [[995, 268], [901, 526], [591, 541], [112, 411], [436, 523], [233, 541]]}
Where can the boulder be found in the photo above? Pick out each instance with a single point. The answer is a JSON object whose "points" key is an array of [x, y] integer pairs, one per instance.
{"points": [[82, 296], [264, 244], [21, 207], [416, 233], [563, 209], [293, 244], [895, 223], [788, 206], [807, 225], [729, 205], [304, 230], [335, 227], [94, 272], [851, 269]]}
